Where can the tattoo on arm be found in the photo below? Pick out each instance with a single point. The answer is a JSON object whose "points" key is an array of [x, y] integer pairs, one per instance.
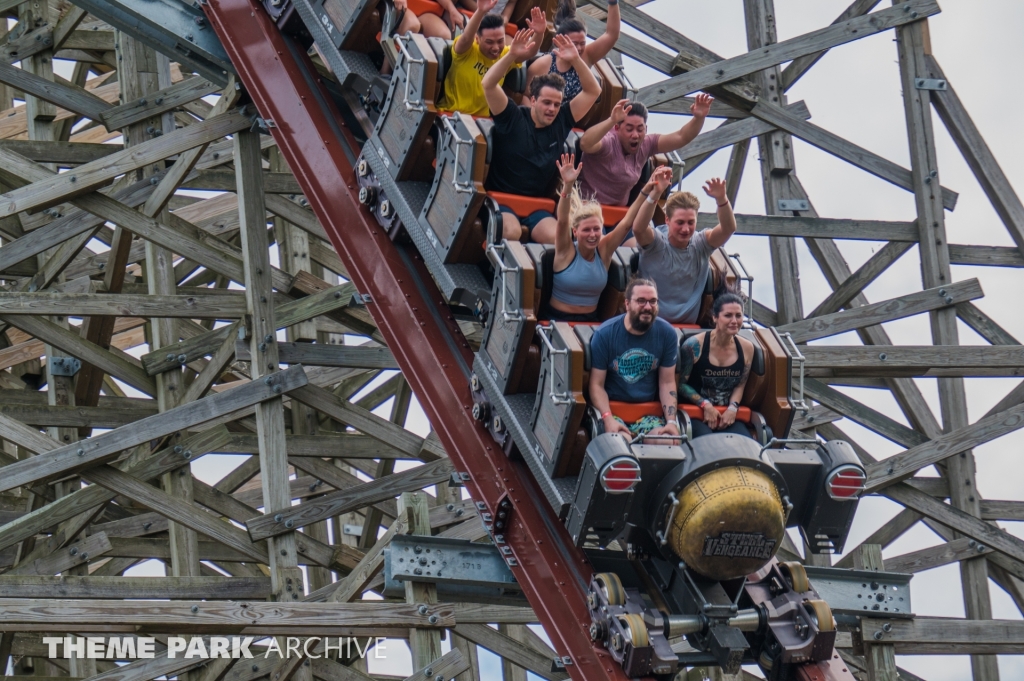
{"points": [[670, 412], [688, 356]]}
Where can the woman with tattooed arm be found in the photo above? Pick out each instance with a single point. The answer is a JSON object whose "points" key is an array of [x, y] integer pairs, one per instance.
{"points": [[714, 366]]}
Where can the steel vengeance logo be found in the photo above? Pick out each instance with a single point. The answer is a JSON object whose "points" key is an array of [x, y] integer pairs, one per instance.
{"points": [[739, 545]]}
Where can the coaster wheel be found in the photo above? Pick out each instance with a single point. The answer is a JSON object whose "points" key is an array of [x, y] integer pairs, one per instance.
{"points": [[822, 614], [797, 576], [636, 629], [611, 586]]}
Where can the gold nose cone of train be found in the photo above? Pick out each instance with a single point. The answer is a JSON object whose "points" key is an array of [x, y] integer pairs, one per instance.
{"points": [[728, 523]]}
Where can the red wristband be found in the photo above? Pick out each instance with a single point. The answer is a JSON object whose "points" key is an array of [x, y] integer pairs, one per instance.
{"points": [[605, 415]]}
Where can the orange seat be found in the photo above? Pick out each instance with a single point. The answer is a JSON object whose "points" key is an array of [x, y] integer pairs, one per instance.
{"points": [[686, 326], [613, 215], [697, 414], [421, 7], [632, 412], [511, 29], [522, 206]]}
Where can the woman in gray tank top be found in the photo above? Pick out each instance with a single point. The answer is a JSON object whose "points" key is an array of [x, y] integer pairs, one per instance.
{"points": [[582, 251]]}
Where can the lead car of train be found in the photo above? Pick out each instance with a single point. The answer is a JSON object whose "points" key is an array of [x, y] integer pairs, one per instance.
{"points": [[683, 534]]}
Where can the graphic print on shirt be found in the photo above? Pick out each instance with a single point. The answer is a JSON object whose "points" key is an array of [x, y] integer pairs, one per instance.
{"points": [[634, 364], [719, 382]]}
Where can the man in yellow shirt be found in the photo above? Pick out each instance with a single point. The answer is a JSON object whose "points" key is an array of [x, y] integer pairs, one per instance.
{"points": [[480, 46]]}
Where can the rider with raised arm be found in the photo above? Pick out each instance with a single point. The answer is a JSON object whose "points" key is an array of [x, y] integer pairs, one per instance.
{"points": [[528, 140], [582, 252], [566, 24], [479, 48], [616, 149], [675, 255]]}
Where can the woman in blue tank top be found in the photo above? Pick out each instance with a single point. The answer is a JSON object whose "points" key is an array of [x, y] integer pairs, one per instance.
{"points": [[582, 251]]}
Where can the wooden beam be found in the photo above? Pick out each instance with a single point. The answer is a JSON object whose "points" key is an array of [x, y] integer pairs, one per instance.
{"points": [[70, 97], [311, 354], [853, 285], [268, 619], [508, 648], [914, 360], [877, 313], [904, 465], [867, 417], [212, 305], [337, 503], [936, 556], [722, 72], [156, 103], [155, 588], [936, 636], [103, 447], [734, 132]]}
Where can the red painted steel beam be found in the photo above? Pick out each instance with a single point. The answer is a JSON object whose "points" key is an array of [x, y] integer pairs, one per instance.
{"points": [[415, 322]]}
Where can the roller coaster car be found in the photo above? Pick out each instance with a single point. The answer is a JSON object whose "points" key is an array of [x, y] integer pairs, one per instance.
{"points": [[701, 521]]}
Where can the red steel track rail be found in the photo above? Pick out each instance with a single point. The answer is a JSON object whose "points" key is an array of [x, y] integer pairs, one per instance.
{"points": [[417, 325]]}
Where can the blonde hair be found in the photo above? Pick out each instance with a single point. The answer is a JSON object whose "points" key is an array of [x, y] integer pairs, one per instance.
{"points": [[681, 200], [580, 208]]}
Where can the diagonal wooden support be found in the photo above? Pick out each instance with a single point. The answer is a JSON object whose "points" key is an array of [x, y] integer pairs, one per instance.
{"points": [[801, 65], [787, 50], [978, 155], [854, 284], [877, 313], [337, 503], [92, 497], [105, 446]]}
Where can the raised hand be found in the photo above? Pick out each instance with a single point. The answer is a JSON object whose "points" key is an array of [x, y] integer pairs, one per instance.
{"points": [[715, 188], [620, 111], [662, 179], [702, 106], [537, 22], [568, 170], [523, 44], [485, 6], [565, 48]]}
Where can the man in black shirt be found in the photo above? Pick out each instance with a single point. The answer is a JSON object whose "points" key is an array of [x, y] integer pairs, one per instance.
{"points": [[528, 139]]}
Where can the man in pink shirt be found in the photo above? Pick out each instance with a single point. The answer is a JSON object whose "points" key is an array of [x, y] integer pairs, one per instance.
{"points": [[615, 150]]}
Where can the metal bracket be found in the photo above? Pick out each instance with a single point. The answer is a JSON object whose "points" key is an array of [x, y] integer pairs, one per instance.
{"points": [[458, 479], [794, 204], [352, 530], [931, 84], [862, 593], [361, 299], [64, 366], [560, 663], [447, 561], [800, 360]]}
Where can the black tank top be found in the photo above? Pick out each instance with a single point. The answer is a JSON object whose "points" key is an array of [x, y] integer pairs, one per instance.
{"points": [[713, 382]]}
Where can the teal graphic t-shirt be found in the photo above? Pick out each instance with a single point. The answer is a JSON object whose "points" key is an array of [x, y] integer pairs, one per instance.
{"points": [[632, 361]]}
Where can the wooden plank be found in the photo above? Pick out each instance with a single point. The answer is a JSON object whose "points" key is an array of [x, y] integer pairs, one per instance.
{"points": [[914, 360], [104, 446], [841, 148], [987, 256], [448, 667], [212, 305], [867, 417], [904, 465], [877, 313], [72, 98], [224, 180], [985, 326], [816, 228], [158, 588], [864, 276], [938, 636], [311, 354], [343, 501], [722, 72], [90, 176], [936, 556], [157, 102], [61, 153], [64, 558], [248, 617]]}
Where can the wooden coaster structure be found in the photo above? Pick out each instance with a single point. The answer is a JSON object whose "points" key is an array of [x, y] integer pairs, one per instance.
{"points": [[97, 481]]}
